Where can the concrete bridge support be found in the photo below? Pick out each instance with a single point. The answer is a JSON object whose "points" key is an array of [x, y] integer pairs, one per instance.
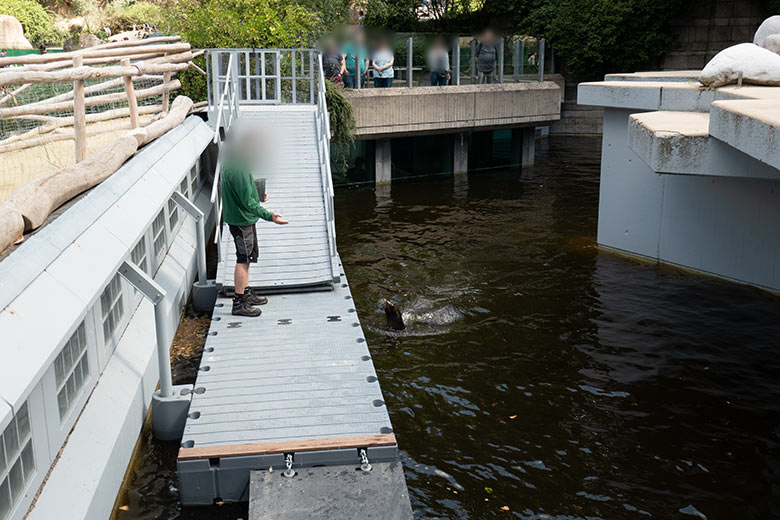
{"points": [[382, 162], [524, 140]]}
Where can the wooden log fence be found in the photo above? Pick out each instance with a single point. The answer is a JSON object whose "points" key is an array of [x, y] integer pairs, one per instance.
{"points": [[30, 205], [120, 63]]}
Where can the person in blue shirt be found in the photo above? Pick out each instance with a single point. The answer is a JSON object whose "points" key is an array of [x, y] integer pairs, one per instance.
{"points": [[383, 65], [349, 51]]}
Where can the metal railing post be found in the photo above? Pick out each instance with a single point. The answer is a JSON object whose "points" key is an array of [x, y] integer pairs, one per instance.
{"points": [[456, 61], [311, 77], [278, 85], [209, 90], [472, 65], [358, 61], [522, 57], [294, 64], [409, 61], [540, 60], [236, 85], [516, 61], [501, 60]]}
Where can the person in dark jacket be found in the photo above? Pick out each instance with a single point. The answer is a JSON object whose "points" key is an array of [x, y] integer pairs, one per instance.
{"points": [[485, 55], [241, 210]]}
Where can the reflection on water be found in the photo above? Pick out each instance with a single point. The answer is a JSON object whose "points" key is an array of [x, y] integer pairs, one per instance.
{"points": [[539, 375]]}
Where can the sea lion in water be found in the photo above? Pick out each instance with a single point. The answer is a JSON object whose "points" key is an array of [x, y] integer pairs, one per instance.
{"points": [[393, 315]]}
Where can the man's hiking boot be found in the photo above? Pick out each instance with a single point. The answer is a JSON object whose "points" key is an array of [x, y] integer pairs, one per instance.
{"points": [[241, 307], [254, 299]]}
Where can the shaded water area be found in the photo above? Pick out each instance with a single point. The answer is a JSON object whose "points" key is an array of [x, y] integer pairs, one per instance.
{"points": [[539, 377]]}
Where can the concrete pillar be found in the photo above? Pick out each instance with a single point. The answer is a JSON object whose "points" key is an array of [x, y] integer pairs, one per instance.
{"points": [[382, 162], [460, 159], [528, 146]]}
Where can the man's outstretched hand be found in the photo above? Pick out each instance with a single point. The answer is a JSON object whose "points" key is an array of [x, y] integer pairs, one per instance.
{"points": [[278, 219]]}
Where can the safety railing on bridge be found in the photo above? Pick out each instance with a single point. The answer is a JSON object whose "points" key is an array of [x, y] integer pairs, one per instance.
{"points": [[263, 76], [323, 138]]}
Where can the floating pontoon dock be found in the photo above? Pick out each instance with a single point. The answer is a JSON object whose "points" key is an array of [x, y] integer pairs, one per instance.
{"points": [[294, 389]]}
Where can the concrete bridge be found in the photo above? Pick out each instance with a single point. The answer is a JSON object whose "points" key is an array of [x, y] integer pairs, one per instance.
{"points": [[384, 114]]}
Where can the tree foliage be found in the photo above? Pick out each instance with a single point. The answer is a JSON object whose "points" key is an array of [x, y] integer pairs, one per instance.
{"points": [[37, 21], [239, 24], [598, 36]]}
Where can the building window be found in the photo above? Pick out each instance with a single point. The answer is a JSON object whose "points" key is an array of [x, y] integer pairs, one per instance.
{"points": [[138, 256], [194, 180], [173, 214], [71, 368], [111, 305], [158, 235], [183, 187], [17, 463]]}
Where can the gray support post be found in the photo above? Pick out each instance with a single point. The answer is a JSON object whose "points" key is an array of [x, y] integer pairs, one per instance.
{"points": [[236, 86], [460, 148], [382, 162], [409, 61], [516, 60], [169, 404], [501, 60], [522, 57], [529, 146], [472, 66], [456, 61], [204, 291], [540, 60], [294, 68], [358, 61], [209, 89]]}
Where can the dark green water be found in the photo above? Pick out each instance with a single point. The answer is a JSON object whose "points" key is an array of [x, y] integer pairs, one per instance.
{"points": [[542, 375]]}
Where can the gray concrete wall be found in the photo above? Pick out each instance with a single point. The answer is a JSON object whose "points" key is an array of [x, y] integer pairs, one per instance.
{"points": [[399, 112]]}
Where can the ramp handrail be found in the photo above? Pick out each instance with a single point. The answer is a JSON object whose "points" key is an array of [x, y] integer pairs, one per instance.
{"points": [[229, 93], [323, 132]]}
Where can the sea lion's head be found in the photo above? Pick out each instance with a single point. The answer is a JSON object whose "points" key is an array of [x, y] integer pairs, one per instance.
{"points": [[393, 315]]}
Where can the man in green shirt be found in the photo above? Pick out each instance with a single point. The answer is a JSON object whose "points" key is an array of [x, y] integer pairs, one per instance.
{"points": [[241, 210]]}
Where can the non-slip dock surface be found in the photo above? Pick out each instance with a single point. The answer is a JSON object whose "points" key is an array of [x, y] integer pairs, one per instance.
{"points": [[331, 492], [300, 371], [300, 253]]}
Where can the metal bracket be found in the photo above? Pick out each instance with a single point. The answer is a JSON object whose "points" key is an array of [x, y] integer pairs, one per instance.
{"points": [[185, 204], [197, 215], [142, 281]]}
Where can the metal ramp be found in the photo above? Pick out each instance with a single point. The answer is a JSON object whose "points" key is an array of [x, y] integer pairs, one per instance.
{"points": [[296, 387], [302, 253]]}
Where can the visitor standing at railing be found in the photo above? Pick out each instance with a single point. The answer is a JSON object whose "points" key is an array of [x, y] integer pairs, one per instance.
{"points": [[439, 63], [241, 210], [332, 62], [485, 55], [382, 63], [353, 72]]}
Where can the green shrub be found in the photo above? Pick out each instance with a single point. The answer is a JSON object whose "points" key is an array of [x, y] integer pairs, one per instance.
{"points": [[239, 24], [342, 114], [38, 22]]}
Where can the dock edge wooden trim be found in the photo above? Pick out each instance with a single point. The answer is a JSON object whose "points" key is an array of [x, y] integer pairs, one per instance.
{"points": [[292, 446]]}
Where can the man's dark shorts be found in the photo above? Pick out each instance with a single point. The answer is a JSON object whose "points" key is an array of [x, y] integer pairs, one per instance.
{"points": [[245, 239]]}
